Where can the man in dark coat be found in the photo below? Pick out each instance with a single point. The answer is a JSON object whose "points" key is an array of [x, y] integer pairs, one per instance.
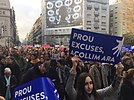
{"points": [[10, 82], [1, 86], [40, 70]]}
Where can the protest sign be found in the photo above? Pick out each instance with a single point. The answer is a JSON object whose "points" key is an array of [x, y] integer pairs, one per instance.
{"points": [[127, 48], [91, 46], [38, 89]]}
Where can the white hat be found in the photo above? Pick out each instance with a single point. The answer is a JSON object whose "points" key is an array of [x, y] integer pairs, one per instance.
{"points": [[7, 70]]}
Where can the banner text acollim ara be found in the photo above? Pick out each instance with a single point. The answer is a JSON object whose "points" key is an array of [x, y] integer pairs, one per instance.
{"points": [[91, 48]]}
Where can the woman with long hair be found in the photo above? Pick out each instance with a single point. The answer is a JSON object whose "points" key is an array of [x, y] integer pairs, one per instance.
{"points": [[85, 89]]}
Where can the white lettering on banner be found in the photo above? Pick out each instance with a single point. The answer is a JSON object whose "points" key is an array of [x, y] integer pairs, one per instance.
{"points": [[27, 90], [87, 47], [37, 96], [42, 94], [83, 37], [93, 56], [25, 94], [108, 58], [23, 91], [56, 93], [86, 55]]}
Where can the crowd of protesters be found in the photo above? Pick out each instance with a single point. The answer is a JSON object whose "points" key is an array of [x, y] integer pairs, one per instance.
{"points": [[21, 65]]}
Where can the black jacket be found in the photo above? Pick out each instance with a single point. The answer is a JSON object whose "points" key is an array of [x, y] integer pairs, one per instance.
{"points": [[126, 92], [13, 84], [32, 74]]}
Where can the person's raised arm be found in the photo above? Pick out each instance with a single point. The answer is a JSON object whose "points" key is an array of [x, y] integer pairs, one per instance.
{"points": [[75, 61], [70, 82], [119, 69], [115, 84]]}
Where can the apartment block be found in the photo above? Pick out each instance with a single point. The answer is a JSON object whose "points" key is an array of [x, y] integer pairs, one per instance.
{"points": [[122, 17]]}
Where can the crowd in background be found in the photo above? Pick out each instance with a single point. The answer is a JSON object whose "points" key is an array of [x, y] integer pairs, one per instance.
{"points": [[25, 64]]}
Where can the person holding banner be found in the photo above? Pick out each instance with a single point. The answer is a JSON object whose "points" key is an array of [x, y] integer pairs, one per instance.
{"points": [[127, 62], [85, 89], [40, 70], [127, 87]]}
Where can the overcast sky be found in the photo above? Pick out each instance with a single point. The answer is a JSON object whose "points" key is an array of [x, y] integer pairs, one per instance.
{"points": [[27, 11]]}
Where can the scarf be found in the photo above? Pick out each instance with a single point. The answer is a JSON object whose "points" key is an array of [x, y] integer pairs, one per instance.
{"points": [[8, 92]]}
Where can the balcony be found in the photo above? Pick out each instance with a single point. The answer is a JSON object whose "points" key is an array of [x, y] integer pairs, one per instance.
{"points": [[96, 7], [96, 25], [96, 13], [89, 7], [96, 19]]}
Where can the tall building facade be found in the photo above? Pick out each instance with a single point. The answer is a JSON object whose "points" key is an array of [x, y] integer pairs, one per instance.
{"points": [[122, 17], [60, 16], [7, 24], [115, 20], [96, 16], [13, 28], [36, 33]]}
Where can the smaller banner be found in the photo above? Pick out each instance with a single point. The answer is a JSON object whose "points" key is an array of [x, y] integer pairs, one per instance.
{"points": [[90, 46], [127, 48], [38, 89]]}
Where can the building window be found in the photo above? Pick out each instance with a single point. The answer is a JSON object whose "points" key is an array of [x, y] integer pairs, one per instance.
{"points": [[89, 15], [96, 13], [111, 24], [89, 8], [103, 17], [5, 28], [89, 23], [96, 19], [3, 12], [115, 32], [104, 8], [96, 7], [88, 28], [116, 7], [111, 15], [103, 29], [103, 22], [96, 26]]}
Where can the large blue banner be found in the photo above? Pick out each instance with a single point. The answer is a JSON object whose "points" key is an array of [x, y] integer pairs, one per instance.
{"points": [[90, 46], [38, 89]]}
